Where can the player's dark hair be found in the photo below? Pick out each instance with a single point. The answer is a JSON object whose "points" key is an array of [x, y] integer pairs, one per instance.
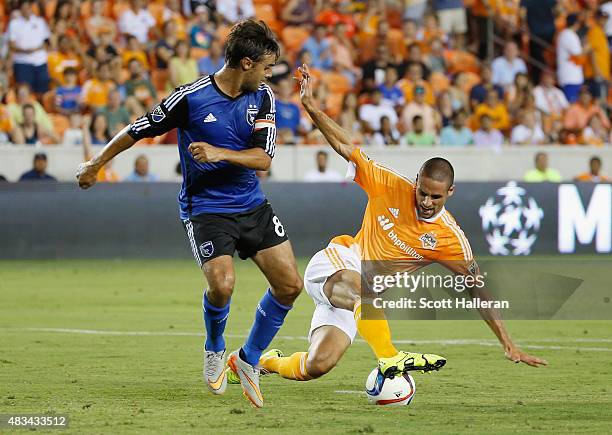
{"points": [[438, 169], [252, 39]]}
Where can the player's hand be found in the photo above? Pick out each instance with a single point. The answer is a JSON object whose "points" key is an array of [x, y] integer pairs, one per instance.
{"points": [[87, 175], [516, 355], [305, 85], [205, 153]]}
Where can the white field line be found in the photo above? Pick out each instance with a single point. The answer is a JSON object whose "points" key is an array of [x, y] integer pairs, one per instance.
{"points": [[453, 342], [349, 392]]}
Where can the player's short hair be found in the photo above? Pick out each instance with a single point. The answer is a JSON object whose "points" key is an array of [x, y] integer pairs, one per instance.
{"points": [[438, 169], [252, 39]]}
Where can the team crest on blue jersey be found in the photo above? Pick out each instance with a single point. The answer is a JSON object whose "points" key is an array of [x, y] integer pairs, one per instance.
{"points": [[158, 115], [207, 249], [428, 241], [251, 113]]}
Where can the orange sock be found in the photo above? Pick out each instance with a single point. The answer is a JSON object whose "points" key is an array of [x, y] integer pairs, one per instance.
{"points": [[289, 367], [376, 333]]}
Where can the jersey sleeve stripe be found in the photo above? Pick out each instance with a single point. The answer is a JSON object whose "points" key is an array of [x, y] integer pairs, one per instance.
{"points": [[394, 172], [173, 100], [465, 245], [271, 95], [331, 259], [334, 252]]}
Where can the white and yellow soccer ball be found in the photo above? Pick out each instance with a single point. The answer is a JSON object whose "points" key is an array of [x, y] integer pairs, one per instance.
{"points": [[384, 391]]}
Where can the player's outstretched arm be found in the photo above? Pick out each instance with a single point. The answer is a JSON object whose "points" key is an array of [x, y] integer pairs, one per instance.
{"points": [[493, 319], [339, 139], [88, 171]]}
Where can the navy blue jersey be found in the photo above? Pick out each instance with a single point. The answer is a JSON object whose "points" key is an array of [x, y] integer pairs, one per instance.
{"points": [[203, 113]]}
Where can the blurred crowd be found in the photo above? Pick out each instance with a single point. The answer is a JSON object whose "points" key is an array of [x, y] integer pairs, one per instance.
{"points": [[393, 72]]}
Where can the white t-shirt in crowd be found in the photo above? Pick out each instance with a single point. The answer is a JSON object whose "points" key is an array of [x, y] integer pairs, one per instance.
{"points": [[330, 176], [372, 113], [504, 71], [523, 135], [137, 25], [568, 44], [550, 100], [236, 10], [26, 35]]}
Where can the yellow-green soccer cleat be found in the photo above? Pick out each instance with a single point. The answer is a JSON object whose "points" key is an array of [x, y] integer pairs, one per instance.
{"points": [[233, 379], [408, 361]]}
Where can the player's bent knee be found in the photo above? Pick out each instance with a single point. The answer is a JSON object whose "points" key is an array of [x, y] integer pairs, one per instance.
{"points": [[289, 291], [319, 364]]}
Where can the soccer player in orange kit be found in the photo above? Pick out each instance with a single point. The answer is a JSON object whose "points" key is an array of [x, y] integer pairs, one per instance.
{"points": [[403, 222]]}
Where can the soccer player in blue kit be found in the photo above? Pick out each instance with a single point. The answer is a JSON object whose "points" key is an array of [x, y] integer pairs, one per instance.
{"points": [[226, 131]]}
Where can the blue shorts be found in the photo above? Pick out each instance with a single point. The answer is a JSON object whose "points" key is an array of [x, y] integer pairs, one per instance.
{"points": [[571, 92], [35, 76]]}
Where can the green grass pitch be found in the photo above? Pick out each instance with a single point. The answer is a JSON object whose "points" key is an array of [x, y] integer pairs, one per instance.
{"points": [[131, 383]]}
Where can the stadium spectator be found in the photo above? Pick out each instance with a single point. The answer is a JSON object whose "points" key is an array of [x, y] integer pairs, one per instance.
{"points": [[73, 135], [457, 134], [414, 78], [38, 171], [99, 23], [33, 132], [349, 115], [172, 13], [287, 112], [452, 16], [103, 52], [9, 131], [415, 55], [372, 112], [478, 93], [139, 88], [387, 135], [65, 21], [201, 34], [528, 132], [495, 109], [343, 53], [417, 136], [539, 17], [164, 49], [392, 95], [436, 60], [134, 50], [98, 130], [319, 47], [570, 59], [607, 7], [549, 99], [541, 172], [62, 58], [579, 113], [28, 35], [183, 68], [322, 174], [487, 136], [106, 174], [68, 96], [233, 11], [506, 67], [518, 94], [414, 10], [594, 133], [445, 109], [597, 68], [96, 89], [214, 61], [298, 13], [25, 97], [431, 119], [141, 171], [115, 113], [594, 174], [374, 70], [137, 21], [369, 44]]}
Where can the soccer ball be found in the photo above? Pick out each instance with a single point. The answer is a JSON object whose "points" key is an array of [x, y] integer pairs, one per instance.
{"points": [[384, 391]]}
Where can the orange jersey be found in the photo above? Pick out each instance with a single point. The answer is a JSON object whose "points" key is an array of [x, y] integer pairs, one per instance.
{"points": [[391, 229]]}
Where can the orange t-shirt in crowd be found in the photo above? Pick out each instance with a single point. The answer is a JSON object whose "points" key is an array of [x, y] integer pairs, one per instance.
{"points": [[391, 229], [590, 178], [95, 92], [6, 125], [57, 62]]}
